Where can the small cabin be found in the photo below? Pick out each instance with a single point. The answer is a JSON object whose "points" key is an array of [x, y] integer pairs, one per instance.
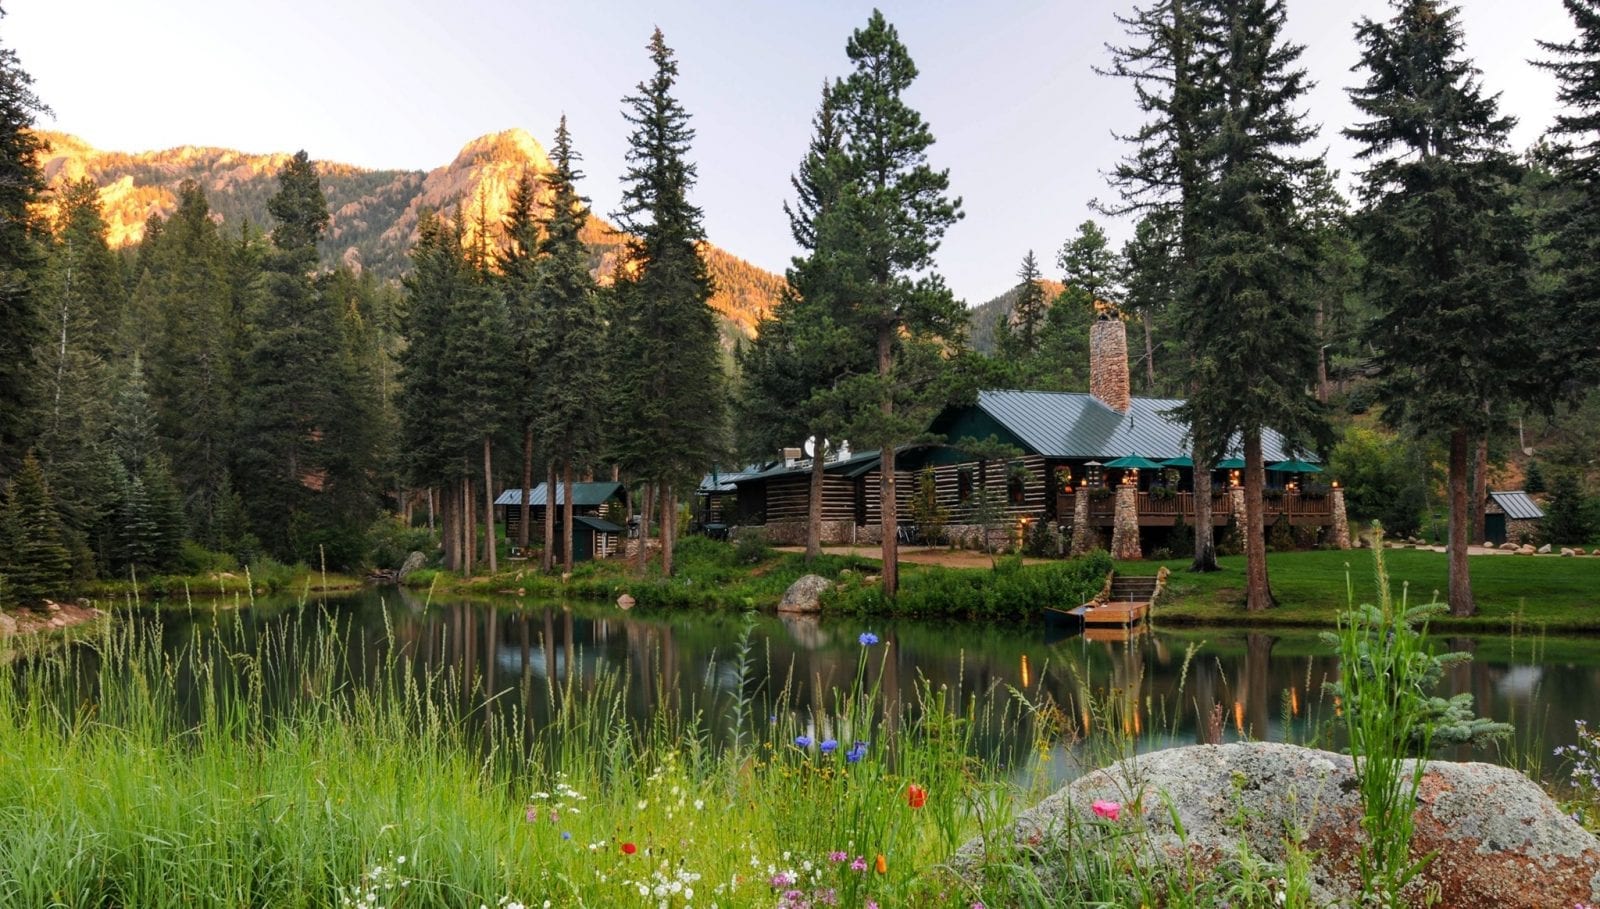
{"points": [[1511, 516], [588, 499], [592, 538]]}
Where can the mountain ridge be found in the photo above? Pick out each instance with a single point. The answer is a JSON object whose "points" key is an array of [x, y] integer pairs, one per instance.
{"points": [[373, 212]]}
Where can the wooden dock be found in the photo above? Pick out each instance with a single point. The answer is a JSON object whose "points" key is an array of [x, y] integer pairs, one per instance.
{"points": [[1122, 607]]}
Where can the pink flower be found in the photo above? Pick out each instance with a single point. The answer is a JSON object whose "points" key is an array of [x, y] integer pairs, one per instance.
{"points": [[1107, 810]]}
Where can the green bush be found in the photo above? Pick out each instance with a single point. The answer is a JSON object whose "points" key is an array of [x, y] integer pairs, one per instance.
{"points": [[1012, 591], [389, 542], [750, 546], [1385, 477], [196, 559]]}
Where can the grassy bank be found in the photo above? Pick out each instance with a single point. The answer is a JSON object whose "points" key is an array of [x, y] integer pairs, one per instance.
{"points": [[723, 576], [257, 579], [1559, 595]]}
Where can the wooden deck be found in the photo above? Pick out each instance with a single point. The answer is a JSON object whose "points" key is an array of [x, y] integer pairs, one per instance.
{"points": [[1114, 615]]}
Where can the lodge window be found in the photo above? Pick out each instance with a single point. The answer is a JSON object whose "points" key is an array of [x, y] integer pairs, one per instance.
{"points": [[964, 485], [1016, 488]]}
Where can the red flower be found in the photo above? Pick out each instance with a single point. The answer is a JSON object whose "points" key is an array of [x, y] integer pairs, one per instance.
{"points": [[916, 796], [629, 848]]}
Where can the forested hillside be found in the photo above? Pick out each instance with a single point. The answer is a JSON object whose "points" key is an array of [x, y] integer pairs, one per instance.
{"points": [[373, 214]]}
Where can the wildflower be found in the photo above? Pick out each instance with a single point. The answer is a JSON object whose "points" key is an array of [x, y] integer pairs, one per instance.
{"points": [[860, 864], [856, 752], [629, 848], [838, 856], [882, 864], [802, 741], [868, 639], [565, 835], [829, 746], [1107, 810], [532, 815], [916, 796]]}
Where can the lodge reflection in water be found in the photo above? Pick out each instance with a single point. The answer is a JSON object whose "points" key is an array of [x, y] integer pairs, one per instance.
{"points": [[1162, 688]]}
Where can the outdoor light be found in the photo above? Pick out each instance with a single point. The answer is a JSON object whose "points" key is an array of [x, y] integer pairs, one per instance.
{"points": [[1130, 477], [1092, 473], [1233, 478], [1335, 484]]}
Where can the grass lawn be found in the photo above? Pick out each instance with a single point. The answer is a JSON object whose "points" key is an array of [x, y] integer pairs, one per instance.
{"points": [[1553, 593]]}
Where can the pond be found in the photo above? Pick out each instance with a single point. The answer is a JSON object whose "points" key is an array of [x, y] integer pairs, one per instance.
{"points": [[1165, 687]]}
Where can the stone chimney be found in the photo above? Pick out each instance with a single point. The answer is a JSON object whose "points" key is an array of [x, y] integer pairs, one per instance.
{"points": [[1108, 363]]}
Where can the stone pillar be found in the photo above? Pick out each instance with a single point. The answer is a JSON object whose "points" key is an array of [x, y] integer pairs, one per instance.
{"points": [[1083, 535], [1125, 526], [1340, 536], [1108, 363]]}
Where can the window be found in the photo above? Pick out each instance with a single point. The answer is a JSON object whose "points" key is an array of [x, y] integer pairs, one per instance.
{"points": [[964, 485], [1016, 487]]}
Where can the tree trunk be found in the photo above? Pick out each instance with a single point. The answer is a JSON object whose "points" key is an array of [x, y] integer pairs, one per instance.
{"points": [[569, 533], [1258, 590], [1257, 662], [1461, 600], [814, 500], [488, 506], [469, 526], [644, 529], [1149, 352], [450, 539], [669, 527], [549, 558], [525, 510], [1480, 488], [430, 509], [1205, 535], [886, 504], [1323, 391]]}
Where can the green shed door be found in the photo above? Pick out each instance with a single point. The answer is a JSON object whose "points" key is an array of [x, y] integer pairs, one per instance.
{"points": [[1494, 527]]}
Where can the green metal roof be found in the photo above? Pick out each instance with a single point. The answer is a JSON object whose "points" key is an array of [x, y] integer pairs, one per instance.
{"points": [[584, 495], [1061, 424], [853, 466], [588, 523]]}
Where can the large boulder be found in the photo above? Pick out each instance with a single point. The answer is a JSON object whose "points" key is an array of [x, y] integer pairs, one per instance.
{"points": [[413, 563], [1497, 838], [805, 594]]}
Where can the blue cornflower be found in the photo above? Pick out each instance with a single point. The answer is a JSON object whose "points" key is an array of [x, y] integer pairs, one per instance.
{"points": [[802, 741], [829, 746], [565, 835], [868, 639], [856, 753]]}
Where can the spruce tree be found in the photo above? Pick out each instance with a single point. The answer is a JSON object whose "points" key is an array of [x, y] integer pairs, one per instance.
{"points": [[1574, 224], [1250, 330], [807, 349], [1445, 244], [571, 383], [33, 554], [1021, 339], [671, 397], [519, 278], [891, 215], [1162, 175], [21, 184]]}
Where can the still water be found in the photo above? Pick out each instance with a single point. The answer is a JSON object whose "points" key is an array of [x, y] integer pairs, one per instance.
{"points": [[1166, 687]]}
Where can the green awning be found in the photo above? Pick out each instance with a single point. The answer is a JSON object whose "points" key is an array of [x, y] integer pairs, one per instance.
{"points": [[1295, 465], [1231, 464], [1133, 462], [1178, 462]]}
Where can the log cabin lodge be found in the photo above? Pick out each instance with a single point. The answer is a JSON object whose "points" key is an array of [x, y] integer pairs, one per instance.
{"points": [[1106, 468]]}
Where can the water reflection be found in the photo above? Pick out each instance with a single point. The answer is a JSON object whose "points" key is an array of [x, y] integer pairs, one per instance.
{"points": [[523, 659]]}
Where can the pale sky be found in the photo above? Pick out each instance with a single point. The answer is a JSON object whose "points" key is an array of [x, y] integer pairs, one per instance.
{"points": [[1022, 122]]}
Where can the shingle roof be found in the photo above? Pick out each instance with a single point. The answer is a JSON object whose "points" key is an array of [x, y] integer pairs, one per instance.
{"points": [[584, 495], [1061, 424], [1517, 505]]}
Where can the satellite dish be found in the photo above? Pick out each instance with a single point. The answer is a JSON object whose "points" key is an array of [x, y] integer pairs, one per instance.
{"points": [[811, 447]]}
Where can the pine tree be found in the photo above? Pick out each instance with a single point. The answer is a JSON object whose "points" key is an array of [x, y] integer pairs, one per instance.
{"points": [[1446, 246], [21, 183], [892, 213], [1567, 518], [33, 554], [193, 359], [1162, 176], [671, 398], [571, 384], [1250, 330], [519, 277], [1575, 223], [806, 350], [1021, 339], [1153, 279]]}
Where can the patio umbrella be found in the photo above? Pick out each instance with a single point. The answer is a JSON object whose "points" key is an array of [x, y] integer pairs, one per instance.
{"points": [[1294, 465], [1184, 461], [1133, 462], [1231, 464]]}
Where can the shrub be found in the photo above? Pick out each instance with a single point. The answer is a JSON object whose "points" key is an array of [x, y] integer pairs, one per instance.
{"points": [[750, 545], [389, 542], [1011, 591], [1280, 537], [196, 559]]}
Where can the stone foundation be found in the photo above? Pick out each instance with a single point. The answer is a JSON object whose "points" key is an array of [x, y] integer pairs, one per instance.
{"points": [[793, 533], [1083, 536]]}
